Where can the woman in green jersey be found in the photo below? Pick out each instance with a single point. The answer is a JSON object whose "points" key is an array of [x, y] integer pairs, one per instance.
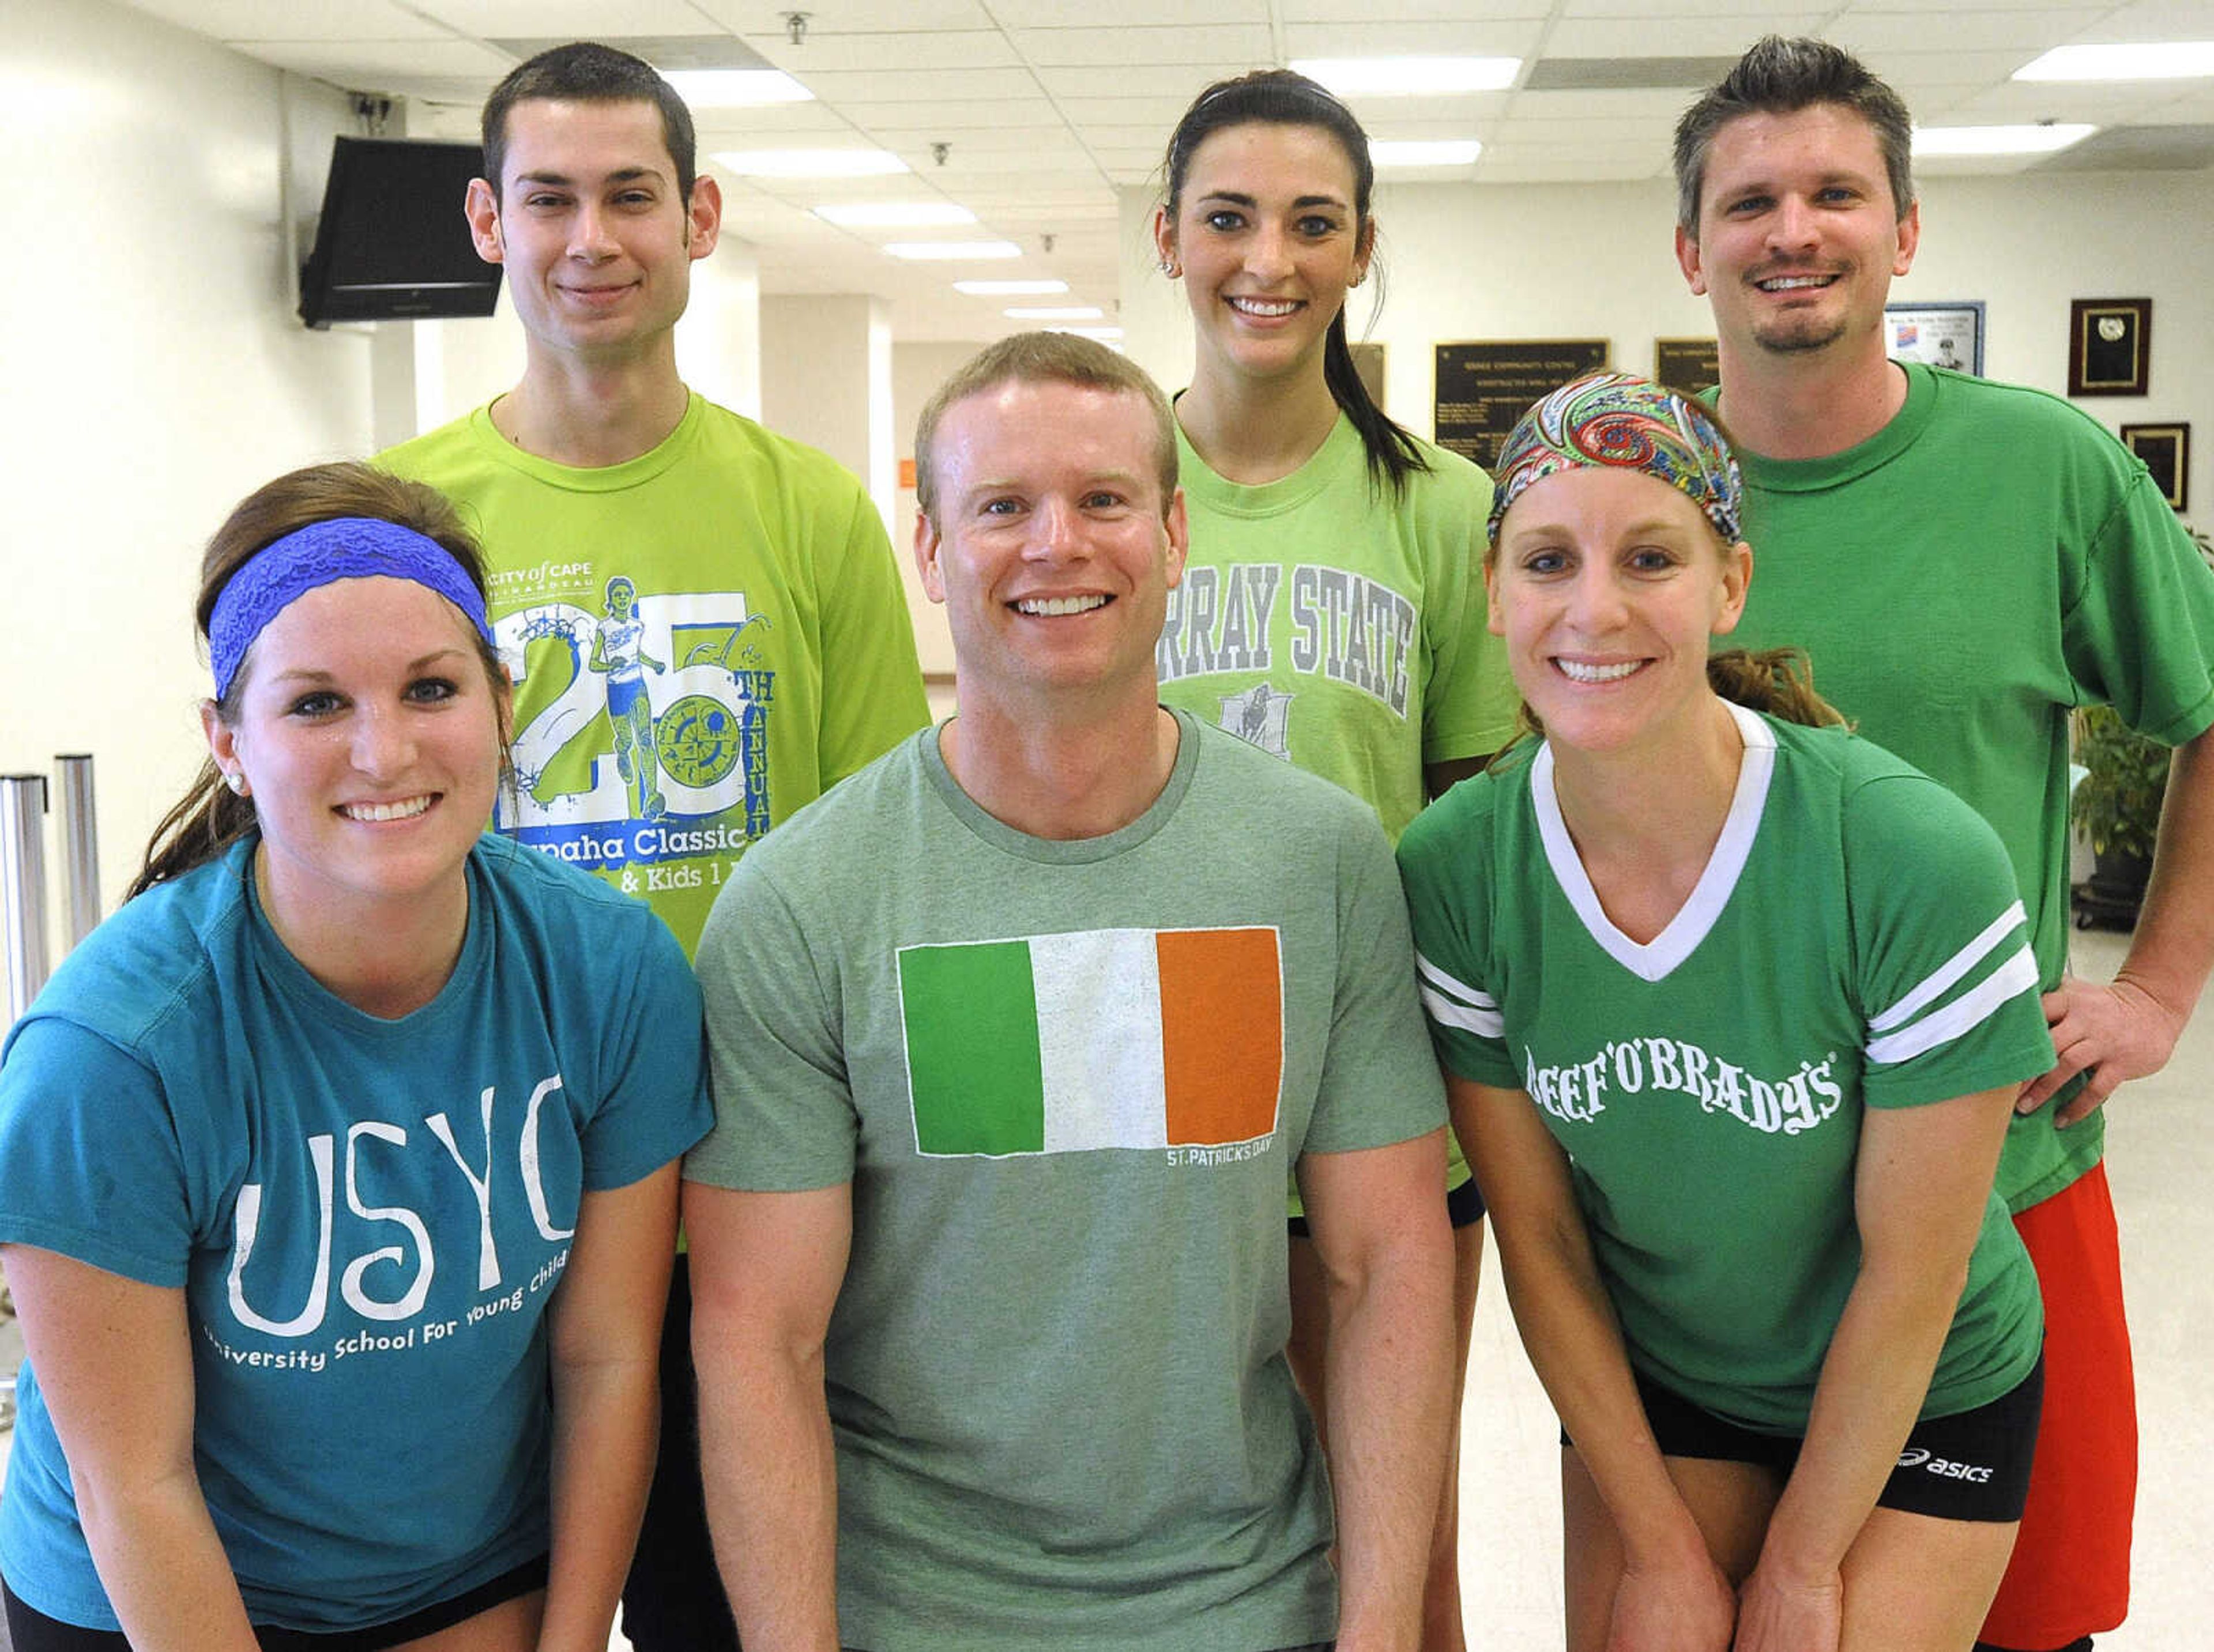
{"points": [[1331, 610], [1732, 1009]]}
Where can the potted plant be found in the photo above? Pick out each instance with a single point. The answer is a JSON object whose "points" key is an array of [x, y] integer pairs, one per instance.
{"points": [[2117, 806]]}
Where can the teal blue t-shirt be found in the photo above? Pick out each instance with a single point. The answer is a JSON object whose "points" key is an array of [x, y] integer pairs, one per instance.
{"points": [[367, 1217]]}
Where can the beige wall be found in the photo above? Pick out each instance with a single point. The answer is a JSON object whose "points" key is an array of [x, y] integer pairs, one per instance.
{"points": [[1535, 261], [155, 373]]}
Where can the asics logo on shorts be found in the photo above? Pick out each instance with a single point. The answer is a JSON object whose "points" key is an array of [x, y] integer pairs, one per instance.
{"points": [[1916, 1457]]}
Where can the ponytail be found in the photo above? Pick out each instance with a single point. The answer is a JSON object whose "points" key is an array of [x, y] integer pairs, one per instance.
{"points": [[1393, 453], [1777, 681]]}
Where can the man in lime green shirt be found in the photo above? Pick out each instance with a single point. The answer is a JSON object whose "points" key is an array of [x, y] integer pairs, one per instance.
{"points": [[704, 620]]}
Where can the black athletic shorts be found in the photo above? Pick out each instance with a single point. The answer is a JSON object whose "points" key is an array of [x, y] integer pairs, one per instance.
{"points": [[30, 1630], [1973, 1466]]}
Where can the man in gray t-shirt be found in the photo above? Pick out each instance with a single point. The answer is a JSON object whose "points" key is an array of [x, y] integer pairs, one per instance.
{"points": [[1015, 1035]]}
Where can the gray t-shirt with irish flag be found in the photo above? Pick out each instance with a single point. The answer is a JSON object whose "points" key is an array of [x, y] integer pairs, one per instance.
{"points": [[1066, 1080]]}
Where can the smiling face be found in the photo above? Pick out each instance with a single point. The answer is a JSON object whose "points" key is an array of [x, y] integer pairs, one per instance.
{"points": [[1799, 237], [597, 240], [1607, 584], [1052, 547], [1268, 233], [369, 734]]}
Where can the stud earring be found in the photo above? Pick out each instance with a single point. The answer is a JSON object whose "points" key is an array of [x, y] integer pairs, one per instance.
{"points": [[236, 782], [1171, 269]]}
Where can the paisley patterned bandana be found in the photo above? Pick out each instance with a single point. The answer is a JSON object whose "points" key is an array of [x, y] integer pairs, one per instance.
{"points": [[1631, 423], [322, 553]]}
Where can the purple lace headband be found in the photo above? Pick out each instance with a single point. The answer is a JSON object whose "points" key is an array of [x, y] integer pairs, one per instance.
{"points": [[322, 553], [1630, 423]]}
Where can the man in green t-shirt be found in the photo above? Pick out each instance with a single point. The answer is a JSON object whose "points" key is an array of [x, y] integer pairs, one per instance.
{"points": [[704, 620], [1015, 1038], [1964, 563]]}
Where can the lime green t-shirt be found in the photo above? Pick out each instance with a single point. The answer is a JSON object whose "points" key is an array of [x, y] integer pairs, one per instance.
{"points": [[704, 638], [1342, 629], [1986, 562]]}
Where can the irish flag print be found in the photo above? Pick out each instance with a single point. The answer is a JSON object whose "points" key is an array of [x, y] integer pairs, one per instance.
{"points": [[1098, 1039]]}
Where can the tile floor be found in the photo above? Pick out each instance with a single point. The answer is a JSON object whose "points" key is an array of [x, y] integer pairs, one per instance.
{"points": [[2161, 1167]]}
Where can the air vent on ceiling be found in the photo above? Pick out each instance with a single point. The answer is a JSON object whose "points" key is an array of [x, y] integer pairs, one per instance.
{"points": [[2136, 148], [1626, 74]]}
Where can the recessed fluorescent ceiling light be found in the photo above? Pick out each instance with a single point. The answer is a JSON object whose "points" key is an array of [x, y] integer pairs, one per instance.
{"points": [[1997, 140], [1443, 152], [1352, 78], [2164, 60], [1054, 312], [810, 163], [895, 215], [735, 88], [953, 249], [1009, 288]]}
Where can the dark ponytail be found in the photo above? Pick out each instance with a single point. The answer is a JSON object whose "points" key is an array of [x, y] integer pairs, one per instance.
{"points": [[1280, 97]]}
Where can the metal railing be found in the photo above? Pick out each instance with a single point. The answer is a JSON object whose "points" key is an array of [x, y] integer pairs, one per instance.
{"points": [[23, 809]]}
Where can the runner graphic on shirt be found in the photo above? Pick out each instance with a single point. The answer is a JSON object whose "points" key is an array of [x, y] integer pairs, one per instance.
{"points": [[618, 650]]}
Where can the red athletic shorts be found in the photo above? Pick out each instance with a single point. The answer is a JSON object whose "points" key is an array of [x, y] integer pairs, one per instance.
{"points": [[2069, 1576]]}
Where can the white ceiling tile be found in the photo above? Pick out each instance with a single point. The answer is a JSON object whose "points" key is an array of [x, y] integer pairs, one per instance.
{"points": [[935, 119], [568, 19], [1455, 37], [379, 65], [1465, 107], [2026, 33], [850, 16], [2026, 102], [1658, 105], [1907, 71], [294, 20], [1123, 137], [1161, 112], [2153, 20], [1245, 44], [889, 53], [947, 88], [1345, 12], [766, 127], [1656, 133], [1084, 14], [1643, 34], [1179, 83]]}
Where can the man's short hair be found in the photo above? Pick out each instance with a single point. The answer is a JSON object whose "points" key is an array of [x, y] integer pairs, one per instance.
{"points": [[1043, 358], [1778, 76], [584, 71]]}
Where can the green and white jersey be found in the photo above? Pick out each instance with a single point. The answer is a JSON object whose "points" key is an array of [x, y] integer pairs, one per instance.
{"points": [[703, 639], [1856, 942], [1066, 1082], [1989, 560]]}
